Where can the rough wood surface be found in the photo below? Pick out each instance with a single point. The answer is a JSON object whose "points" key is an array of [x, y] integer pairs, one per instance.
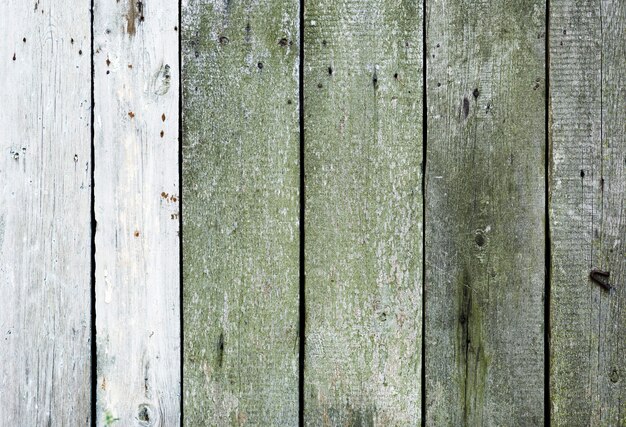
{"points": [[363, 260], [240, 212], [587, 213], [45, 227], [137, 209], [485, 212]]}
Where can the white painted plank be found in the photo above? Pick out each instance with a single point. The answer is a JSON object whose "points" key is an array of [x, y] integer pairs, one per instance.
{"points": [[45, 234], [136, 206]]}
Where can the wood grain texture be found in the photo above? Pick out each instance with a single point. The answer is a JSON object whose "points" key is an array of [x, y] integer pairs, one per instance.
{"points": [[137, 208], [363, 259], [587, 213], [240, 212], [485, 212], [45, 226]]}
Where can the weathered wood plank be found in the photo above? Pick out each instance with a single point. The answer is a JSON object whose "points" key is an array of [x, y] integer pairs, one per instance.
{"points": [[45, 221], [363, 255], [240, 212], [485, 211], [587, 213], [137, 208]]}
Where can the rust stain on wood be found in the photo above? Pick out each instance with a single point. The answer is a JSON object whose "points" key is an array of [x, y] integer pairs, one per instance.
{"points": [[134, 14]]}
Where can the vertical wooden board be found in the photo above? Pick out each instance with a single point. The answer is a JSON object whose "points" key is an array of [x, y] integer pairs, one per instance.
{"points": [[45, 225], [137, 208], [485, 212], [240, 212], [587, 214], [363, 251]]}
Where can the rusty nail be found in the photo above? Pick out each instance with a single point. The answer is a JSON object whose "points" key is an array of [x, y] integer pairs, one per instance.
{"points": [[601, 278]]}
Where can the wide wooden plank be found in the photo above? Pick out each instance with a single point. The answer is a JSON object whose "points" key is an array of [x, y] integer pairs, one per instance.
{"points": [[587, 212], [45, 221], [485, 212], [137, 212], [363, 249], [240, 212]]}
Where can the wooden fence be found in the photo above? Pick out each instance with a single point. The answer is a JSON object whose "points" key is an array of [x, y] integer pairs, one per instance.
{"points": [[393, 213]]}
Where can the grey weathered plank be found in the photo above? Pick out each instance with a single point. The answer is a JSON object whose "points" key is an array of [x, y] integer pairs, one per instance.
{"points": [[587, 213], [485, 212], [137, 206], [240, 212], [363, 254], [45, 225]]}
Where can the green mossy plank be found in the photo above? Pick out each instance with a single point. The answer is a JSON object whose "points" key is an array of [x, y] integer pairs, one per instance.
{"points": [[587, 212], [240, 212], [485, 212], [363, 248]]}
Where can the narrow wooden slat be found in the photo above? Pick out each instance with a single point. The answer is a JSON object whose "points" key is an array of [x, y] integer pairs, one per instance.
{"points": [[137, 208], [363, 248], [587, 213], [485, 211], [240, 212], [45, 221]]}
